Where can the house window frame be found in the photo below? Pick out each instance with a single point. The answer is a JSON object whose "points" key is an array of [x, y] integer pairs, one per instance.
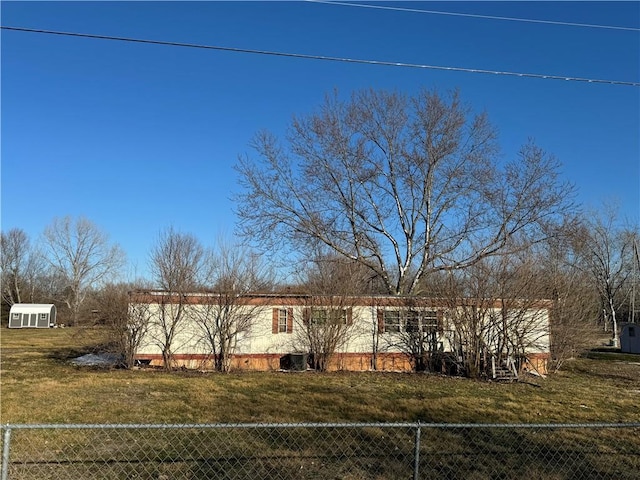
{"points": [[410, 320], [429, 321], [283, 318], [16, 316], [328, 316], [392, 321]]}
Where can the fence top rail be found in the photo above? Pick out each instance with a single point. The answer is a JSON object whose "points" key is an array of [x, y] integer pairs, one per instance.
{"points": [[166, 426]]}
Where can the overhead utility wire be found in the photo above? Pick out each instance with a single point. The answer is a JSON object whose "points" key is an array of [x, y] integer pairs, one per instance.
{"points": [[472, 15], [322, 57]]}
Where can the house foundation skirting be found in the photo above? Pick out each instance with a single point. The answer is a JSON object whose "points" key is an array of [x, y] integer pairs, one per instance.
{"points": [[357, 362], [265, 362], [537, 363]]}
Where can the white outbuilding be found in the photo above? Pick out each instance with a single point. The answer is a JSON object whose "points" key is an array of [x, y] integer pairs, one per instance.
{"points": [[32, 315], [630, 338]]}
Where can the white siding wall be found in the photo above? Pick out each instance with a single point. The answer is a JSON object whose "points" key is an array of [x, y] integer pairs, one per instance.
{"points": [[261, 340]]}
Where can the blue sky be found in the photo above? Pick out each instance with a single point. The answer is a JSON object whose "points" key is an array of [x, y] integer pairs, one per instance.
{"points": [[139, 137]]}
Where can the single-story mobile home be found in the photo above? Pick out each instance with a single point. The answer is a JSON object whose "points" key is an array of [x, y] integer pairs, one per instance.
{"points": [[379, 332], [32, 315]]}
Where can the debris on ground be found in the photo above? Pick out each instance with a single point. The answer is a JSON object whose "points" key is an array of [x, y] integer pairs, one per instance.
{"points": [[98, 360]]}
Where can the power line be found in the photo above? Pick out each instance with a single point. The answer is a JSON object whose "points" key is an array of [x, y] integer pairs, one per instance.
{"points": [[326, 58], [472, 15]]}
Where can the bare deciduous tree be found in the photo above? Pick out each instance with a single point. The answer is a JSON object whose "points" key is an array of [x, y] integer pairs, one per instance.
{"points": [[128, 322], [328, 273], [326, 326], [178, 264], [497, 313], [404, 186], [327, 323], [81, 253], [226, 315], [412, 329], [606, 251], [575, 304], [21, 265]]}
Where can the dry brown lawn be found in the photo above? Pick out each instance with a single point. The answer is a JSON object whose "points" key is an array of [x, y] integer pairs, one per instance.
{"points": [[40, 385]]}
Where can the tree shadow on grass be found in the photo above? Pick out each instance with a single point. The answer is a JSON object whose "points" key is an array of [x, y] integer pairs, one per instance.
{"points": [[562, 453], [625, 375]]}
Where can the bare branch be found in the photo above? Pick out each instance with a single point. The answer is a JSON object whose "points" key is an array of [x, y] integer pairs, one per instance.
{"points": [[405, 187], [81, 253]]}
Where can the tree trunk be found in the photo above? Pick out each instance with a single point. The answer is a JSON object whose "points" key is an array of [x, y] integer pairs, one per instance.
{"points": [[614, 325]]}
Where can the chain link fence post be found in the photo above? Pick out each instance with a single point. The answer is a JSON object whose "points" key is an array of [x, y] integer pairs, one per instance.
{"points": [[6, 441], [416, 453]]}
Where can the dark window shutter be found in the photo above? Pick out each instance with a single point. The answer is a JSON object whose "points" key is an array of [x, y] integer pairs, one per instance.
{"points": [[274, 322], [289, 320], [306, 316], [349, 315], [380, 320], [440, 317]]}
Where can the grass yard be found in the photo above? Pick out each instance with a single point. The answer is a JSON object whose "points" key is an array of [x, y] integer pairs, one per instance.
{"points": [[40, 385]]}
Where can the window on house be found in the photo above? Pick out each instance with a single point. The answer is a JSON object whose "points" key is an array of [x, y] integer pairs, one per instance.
{"points": [[44, 316], [632, 331], [282, 320], [16, 316], [429, 321], [392, 320], [410, 321], [318, 317], [323, 316]]}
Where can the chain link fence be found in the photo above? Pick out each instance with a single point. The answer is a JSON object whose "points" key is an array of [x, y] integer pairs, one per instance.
{"points": [[321, 451]]}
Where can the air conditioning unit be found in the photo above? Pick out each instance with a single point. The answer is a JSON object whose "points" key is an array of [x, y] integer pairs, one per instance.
{"points": [[294, 361]]}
